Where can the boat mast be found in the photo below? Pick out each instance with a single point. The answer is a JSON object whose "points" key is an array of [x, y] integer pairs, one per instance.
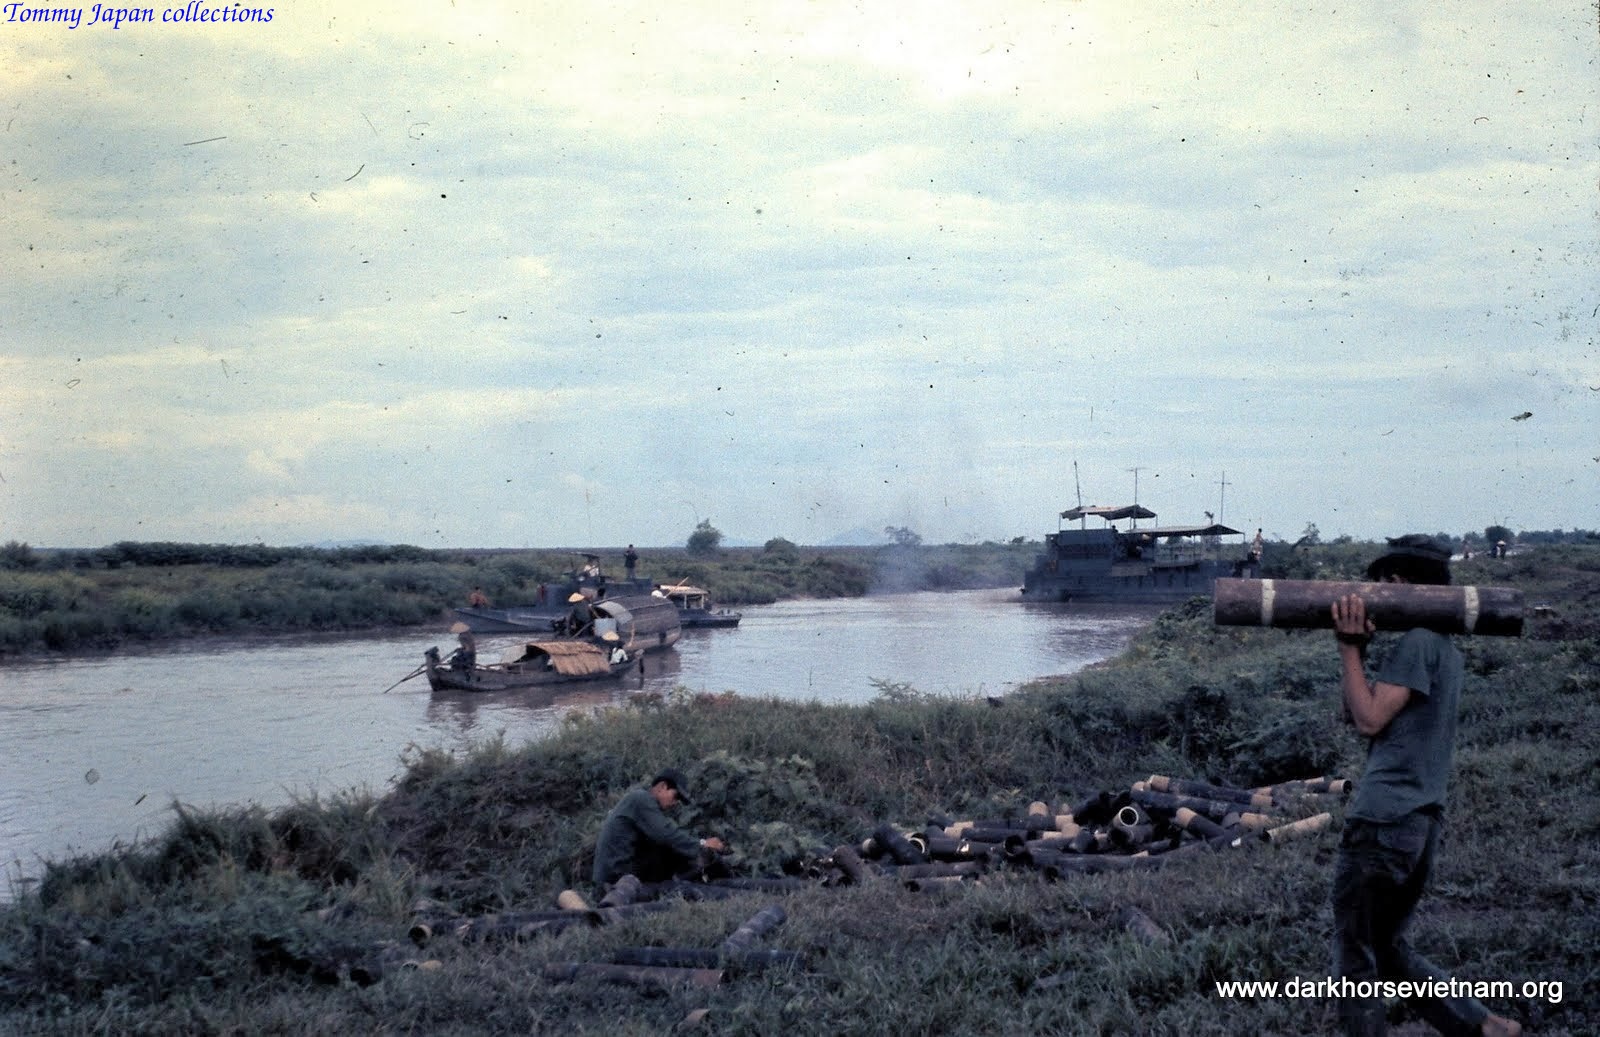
{"points": [[1083, 520], [1135, 470]]}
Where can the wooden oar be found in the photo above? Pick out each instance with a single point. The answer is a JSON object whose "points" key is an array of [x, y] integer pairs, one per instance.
{"points": [[414, 673]]}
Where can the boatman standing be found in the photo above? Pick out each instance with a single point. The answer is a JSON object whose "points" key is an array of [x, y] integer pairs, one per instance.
{"points": [[639, 839], [1391, 834], [630, 561]]}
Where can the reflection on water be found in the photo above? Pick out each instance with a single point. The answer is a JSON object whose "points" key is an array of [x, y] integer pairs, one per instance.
{"points": [[97, 750]]}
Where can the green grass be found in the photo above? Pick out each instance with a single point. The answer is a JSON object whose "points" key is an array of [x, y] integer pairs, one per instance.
{"points": [[249, 921]]}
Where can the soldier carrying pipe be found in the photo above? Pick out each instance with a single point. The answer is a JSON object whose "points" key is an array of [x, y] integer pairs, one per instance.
{"points": [[1408, 711]]}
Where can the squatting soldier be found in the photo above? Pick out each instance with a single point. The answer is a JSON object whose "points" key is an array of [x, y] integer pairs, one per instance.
{"points": [[639, 839]]}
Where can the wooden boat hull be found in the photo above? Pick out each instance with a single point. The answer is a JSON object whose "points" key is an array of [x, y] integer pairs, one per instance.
{"points": [[706, 618], [695, 607], [545, 664], [641, 623], [519, 619]]}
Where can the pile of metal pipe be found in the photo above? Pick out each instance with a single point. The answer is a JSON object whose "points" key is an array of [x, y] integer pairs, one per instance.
{"points": [[1147, 825], [1153, 822]]}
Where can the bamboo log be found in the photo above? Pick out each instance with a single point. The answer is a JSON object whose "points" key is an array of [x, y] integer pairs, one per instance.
{"points": [[623, 892], [1168, 802], [849, 862], [998, 833], [1131, 827], [1084, 842], [936, 847], [940, 869], [1089, 864], [430, 965], [762, 884], [1142, 926], [1097, 809], [704, 958], [1311, 786], [899, 847], [754, 928], [609, 915], [1307, 604], [518, 925], [1027, 823], [656, 891], [633, 975], [1249, 821], [977, 849], [1295, 829], [1199, 824], [1256, 799]]}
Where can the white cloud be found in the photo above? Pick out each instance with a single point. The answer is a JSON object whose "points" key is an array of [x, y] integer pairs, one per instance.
{"points": [[807, 266]]}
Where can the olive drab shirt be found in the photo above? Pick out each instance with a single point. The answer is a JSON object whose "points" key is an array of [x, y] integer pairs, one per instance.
{"points": [[1408, 762], [636, 819]]}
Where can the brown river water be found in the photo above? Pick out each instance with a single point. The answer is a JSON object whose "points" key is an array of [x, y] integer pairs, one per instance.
{"points": [[95, 751]]}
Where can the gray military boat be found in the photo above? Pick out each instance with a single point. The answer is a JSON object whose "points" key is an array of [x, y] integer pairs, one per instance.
{"points": [[1138, 565]]}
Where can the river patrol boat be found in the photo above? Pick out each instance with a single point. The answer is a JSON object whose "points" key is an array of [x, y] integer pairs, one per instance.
{"points": [[1149, 565]]}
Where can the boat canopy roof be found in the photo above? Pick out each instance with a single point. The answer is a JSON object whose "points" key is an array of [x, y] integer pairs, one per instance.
{"points": [[1111, 513], [1215, 529], [567, 657]]}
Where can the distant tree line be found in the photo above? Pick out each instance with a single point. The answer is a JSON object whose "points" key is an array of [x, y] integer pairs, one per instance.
{"points": [[14, 555], [1312, 537]]}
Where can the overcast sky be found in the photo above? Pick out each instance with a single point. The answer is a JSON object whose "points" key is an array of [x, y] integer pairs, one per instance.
{"points": [[573, 274]]}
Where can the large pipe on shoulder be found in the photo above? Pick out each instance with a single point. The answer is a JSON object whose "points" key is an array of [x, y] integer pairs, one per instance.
{"points": [[1308, 604]]}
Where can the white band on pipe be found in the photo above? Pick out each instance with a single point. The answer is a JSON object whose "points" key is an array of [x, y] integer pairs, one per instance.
{"points": [[1267, 592], [1469, 602]]}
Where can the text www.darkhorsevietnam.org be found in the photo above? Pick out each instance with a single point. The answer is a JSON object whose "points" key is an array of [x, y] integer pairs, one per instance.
{"points": [[1343, 986]]}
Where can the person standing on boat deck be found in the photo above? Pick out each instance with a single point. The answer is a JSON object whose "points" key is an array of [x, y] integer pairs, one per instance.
{"points": [[639, 839], [1392, 826], [630, 561], [477, 599]]}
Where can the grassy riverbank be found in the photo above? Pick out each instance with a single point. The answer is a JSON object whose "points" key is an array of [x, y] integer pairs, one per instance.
{"points": [[227, 922], [83, 601]]}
